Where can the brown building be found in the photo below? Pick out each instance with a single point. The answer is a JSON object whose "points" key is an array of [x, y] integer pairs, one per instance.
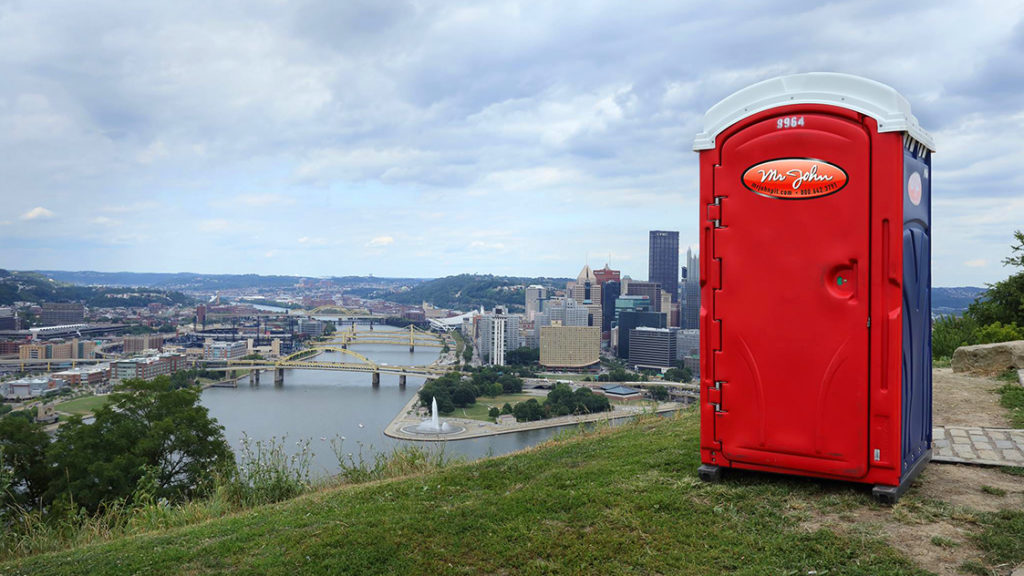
{"points": [[92, 375], [606, 274], [572, 347], [650, 289], [136, 344]]}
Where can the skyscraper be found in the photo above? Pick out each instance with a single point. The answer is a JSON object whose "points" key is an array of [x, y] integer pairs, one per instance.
{"points": [[535, 296], [587, 291], [691, 289], [663, 261]]}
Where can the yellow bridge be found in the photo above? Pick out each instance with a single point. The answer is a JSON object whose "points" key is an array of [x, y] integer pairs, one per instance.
{"points": [[412, 337], [306, 360]]}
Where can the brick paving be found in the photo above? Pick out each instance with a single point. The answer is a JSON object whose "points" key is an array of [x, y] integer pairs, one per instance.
{"points": [[987, 446]]}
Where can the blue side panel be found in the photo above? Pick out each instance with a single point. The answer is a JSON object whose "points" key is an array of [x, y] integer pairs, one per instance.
{"points": [[917, 306]]}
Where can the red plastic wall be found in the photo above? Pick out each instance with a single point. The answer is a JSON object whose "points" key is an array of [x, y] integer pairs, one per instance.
{"points": [[865, 419]]}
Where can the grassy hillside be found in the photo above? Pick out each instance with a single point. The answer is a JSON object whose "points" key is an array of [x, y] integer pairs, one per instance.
{"points": [[616, 501]]}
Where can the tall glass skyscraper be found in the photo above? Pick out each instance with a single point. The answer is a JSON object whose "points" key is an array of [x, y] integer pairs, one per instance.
{"points": [[663, 261]]}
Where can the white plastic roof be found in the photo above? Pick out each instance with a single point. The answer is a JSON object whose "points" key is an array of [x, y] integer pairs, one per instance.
{"points": [[877, 100]]}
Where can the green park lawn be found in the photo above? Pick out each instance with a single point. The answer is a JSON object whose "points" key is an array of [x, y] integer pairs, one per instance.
{"points": [[84, 405], [479, 410]]}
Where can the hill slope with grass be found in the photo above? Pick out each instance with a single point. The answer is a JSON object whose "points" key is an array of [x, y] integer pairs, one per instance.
{"points": [[614, 501]]}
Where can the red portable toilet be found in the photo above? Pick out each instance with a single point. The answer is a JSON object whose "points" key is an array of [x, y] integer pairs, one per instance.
{"points": [[815, 273]]}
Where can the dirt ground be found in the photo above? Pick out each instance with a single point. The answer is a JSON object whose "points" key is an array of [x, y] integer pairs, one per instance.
{"points": [[962, 400], [933, 523]]}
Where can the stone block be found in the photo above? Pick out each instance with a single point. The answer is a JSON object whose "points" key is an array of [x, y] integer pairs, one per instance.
{"points": [[990, 359]]}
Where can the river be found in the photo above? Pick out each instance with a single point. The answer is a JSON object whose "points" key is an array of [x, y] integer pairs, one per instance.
{"points": [[320, 406]]}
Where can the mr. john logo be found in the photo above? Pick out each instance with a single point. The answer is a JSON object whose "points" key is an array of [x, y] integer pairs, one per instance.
{"points": [[794, 178]]}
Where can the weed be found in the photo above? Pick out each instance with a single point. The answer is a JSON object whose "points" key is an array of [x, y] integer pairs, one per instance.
{"points": [[403, 460], [942, 542], [1012, 397], [265, 473], [1012, 470], [974, 567], [993, 490]]}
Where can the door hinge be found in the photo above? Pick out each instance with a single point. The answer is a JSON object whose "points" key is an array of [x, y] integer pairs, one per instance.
{"points": [[715, 212], [869, 321]]}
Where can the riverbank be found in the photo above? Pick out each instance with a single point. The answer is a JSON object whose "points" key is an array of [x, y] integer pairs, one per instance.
{"points": [[478, 429]]}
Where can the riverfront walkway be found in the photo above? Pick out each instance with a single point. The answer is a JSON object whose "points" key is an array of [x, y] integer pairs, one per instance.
{"points": [[478, 428]]}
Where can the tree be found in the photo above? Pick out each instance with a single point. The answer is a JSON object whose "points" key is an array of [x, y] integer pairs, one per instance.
{"points": [[463, 396], [659, 393], [1004, 301], [678, 375], [506, 409], [23, 445], [494, 412], [467, 354], [149, 433], [511, 384]]}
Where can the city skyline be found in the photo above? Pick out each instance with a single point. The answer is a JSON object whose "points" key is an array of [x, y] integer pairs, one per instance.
{"points": [[435, 139]]}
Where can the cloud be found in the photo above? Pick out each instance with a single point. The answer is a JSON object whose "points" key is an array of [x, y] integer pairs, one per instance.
{"points": [[978, 263], [37, 213], [214, 225], [380, 242], [260, 200]]}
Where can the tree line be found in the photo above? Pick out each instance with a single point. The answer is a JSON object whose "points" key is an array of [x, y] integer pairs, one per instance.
{"points": [[997, 315]]}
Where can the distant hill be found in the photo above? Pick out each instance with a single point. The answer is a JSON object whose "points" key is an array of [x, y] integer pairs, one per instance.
{"points": [[467, 291], [37, 288], [207, 282], [953, 301]]}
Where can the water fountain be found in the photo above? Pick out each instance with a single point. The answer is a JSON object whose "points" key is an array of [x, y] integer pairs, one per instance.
{"points": [[434, 425]]}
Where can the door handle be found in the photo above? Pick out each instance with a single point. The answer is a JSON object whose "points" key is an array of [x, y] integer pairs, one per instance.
{"points": [[841, 281]]}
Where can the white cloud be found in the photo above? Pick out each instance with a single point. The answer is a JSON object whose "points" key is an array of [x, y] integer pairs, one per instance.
{"points": [[978, 263], [380, 242], [260, 200], [214, 225], [37, 213]]}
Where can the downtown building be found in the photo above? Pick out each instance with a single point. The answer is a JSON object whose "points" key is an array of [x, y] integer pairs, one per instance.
{"points": [[535, 298], [569, 347], [653, 347], [663, 262], [496, 334], [587, 291], [691, 292]]}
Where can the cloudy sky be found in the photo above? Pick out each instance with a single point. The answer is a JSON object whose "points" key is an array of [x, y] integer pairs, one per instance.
{"points": [[431, 138]]}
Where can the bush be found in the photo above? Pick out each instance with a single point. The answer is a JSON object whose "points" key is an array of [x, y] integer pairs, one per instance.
{"points": [[952, 332], [494, 412]]}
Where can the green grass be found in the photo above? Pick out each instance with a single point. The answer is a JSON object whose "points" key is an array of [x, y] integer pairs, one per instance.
{"points": [[620, 500], [84, 405], [479, 410], [1002, 537], [1012, 397]]}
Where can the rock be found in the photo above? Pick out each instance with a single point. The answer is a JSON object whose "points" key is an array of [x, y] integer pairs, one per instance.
{"points": [[989, 359], [1019, 571]]}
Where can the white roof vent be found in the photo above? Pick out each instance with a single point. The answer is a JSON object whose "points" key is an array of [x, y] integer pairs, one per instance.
{"points": [[881, 102]]}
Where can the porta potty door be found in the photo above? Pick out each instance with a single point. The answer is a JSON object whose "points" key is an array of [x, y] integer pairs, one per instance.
{"points": [[793, 249]]}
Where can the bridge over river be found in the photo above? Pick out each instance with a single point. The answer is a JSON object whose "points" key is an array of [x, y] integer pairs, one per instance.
{"points": [[353, 361]]}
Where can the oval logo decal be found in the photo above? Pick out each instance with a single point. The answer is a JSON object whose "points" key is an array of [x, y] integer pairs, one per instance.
{"points": [[794, 178]]}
